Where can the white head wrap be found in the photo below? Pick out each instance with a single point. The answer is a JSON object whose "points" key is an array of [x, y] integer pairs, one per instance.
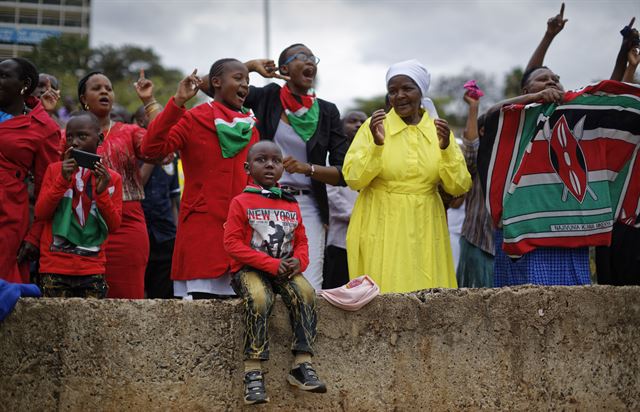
{"points": [[419, 74]]}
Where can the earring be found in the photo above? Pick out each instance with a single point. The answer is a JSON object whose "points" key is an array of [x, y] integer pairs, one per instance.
{"points": [[85, 107], [22, 92]]}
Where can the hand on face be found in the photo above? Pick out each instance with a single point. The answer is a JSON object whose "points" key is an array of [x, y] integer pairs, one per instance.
{"points": [[301, 69], [444, 133], [377, 127], [266, 68], [550, 95], [49, 97], [187, 88], [556, 24]]}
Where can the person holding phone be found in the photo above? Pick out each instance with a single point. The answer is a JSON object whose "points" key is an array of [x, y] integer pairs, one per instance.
{"points": [[80, 206], [128, 248]]}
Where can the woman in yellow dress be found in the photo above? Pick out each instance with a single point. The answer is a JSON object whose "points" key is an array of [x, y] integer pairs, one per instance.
{"points": [[398, 232]]}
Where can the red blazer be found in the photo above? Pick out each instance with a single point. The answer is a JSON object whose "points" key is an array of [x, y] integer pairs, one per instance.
{"points": [[28, 143], [109, 205], [260, 232], [210, 182]]}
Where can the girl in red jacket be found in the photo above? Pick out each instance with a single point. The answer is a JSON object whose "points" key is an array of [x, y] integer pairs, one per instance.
{"points": [[79, 206], [213, 139], [266, 239]]}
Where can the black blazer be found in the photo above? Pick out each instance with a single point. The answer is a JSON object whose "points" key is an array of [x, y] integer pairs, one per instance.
{"points": [[328, 138]]}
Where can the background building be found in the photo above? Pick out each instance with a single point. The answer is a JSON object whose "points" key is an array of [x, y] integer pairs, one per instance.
{"points": [[26, 22]]}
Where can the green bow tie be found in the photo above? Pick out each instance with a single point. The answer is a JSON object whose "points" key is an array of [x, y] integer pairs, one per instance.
{"points": [[262, 191]]}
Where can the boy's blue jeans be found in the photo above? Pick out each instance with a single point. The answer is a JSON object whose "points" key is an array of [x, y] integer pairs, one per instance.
{"points": [[258, 290]]}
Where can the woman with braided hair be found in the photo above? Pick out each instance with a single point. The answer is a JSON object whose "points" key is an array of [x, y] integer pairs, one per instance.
{"points": [[213, 139], [29, 141], [127, 249]]}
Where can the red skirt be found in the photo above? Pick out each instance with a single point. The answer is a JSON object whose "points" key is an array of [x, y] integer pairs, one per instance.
{"points": [[127, 254], [14, 224]]}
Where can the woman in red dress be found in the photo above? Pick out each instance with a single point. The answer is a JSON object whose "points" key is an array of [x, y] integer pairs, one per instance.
{"points": [[29, 141], [128, 248]]}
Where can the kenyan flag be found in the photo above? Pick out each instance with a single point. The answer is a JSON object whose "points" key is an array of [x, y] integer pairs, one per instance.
{"points": [[234, 129], [303, 112], [78, 226], [559, 176]]}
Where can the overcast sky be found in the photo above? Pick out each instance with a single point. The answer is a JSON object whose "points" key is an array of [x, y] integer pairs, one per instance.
{"points": [[357, 40]]}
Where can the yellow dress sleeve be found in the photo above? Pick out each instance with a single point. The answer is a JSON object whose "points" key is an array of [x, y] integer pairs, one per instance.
{"points": [[454, 174], [363, 161]]}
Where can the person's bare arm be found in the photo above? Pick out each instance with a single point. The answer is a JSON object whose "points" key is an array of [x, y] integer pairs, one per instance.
{"points": [[630, 40], [554, 26], [471, 129], [546, 96], [325, 174], [634, 58]]}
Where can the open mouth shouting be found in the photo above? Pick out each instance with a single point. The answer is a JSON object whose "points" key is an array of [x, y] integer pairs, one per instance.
{"points": [[104, 101], [309, 73], [241, 95]]}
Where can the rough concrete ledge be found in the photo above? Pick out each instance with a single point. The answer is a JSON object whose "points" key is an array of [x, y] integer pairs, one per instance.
{"points": [[574, 348]]}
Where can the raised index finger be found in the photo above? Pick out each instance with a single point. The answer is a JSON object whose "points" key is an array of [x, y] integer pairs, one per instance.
{"points": [[633, 20], [562, 11], [142, 74]]}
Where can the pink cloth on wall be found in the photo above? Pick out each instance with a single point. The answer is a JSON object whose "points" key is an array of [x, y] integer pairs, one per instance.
{"points": [[352, 296]]}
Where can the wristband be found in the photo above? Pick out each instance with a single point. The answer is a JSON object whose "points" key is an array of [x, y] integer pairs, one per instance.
{"points": [[313, 170]]}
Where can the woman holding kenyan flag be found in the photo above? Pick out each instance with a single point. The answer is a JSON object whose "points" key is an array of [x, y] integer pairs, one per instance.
{"points": [[559, 169], [213, 139], [306, 129]]}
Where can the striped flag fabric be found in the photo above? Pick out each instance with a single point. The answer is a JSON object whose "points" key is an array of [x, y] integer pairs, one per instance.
{"points": [[78, 227], [561, 175], [234, 128]]}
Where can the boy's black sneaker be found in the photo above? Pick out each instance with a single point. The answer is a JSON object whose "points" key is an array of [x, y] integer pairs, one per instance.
{"points": [[305, 377], [254, 391]]}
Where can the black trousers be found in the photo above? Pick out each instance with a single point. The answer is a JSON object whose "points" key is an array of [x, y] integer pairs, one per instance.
{"points": [[619, 264], [157, 277], [335, 272]]}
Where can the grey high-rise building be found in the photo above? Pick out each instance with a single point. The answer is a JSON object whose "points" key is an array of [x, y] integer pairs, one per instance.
{"points": [[25, 23]]}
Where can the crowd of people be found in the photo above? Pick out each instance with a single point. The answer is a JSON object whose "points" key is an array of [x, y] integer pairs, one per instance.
{"points": [[264, 190]]}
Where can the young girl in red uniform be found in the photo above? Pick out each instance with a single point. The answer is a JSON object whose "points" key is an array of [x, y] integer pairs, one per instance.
{"points": [[213, 139], [265, 237], [80, 207]]}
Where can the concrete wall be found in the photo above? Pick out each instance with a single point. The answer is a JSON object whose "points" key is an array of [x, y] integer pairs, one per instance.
{"points": [[503, 349]]}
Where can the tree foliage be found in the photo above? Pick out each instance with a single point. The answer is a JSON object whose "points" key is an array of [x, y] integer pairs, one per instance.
{"points": [[512, 82], [69, 58], [447, 91]]}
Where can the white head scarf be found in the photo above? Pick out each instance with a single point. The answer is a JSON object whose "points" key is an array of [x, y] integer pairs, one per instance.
{"points": [[419, 74]]}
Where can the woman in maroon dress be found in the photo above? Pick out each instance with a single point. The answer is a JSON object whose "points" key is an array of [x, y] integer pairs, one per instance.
{"points": [[128, 248]]}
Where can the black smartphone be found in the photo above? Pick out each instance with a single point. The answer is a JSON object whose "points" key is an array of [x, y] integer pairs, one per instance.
{"points": [[85, 159]]}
